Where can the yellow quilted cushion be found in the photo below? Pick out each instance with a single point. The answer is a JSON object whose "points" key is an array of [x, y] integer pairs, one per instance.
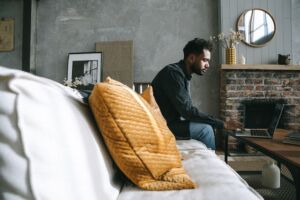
{"points": [[142, 147], [148, 96]]}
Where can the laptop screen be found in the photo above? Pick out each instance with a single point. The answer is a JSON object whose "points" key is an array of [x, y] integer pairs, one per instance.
{"points": [[276, 117]]}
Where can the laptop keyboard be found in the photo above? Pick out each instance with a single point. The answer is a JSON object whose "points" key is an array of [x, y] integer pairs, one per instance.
{"points": [[259, 132]]}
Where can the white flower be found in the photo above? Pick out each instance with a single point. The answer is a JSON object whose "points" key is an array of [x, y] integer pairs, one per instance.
{"points": [[77, 81], [73, 84], [221, 36], [68, 83], [228, 41]]}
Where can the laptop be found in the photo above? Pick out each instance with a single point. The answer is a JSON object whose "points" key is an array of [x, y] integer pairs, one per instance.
{"points": [[264, 133]]}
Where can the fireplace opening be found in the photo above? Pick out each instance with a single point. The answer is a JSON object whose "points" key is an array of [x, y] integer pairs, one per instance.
{"points": [[259, 113]]}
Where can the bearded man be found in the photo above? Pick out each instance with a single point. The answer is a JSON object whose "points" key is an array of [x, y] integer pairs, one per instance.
{"points": [[171, 88]]}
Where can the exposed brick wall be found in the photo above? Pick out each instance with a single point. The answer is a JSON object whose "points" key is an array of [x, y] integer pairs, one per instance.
{"points": [[240, 85]]}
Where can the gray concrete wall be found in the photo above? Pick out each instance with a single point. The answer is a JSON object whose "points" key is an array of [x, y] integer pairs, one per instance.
{"points": [[159, 29], [296, 31], [13, 9]]}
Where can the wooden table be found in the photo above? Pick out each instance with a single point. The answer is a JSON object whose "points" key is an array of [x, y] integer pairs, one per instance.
{"points": [[287, 154]]}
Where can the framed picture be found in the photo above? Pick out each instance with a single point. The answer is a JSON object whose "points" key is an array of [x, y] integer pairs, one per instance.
{"points": [[86, 68], [6, 34]]}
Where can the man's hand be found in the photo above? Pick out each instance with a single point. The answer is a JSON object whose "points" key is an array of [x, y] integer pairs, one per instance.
{"points": [[232, 125]]}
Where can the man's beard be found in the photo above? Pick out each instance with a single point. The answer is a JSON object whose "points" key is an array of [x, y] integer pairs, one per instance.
{"points": [[197, 70]]}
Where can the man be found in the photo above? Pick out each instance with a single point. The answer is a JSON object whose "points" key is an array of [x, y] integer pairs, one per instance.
{"points": [[172, 93]]}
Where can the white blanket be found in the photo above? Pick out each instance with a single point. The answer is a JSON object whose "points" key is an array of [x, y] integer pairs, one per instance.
{"points": [[216, 180]]}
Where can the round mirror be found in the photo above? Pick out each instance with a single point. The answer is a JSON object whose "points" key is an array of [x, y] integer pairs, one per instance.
{"points": [[256, 26]]}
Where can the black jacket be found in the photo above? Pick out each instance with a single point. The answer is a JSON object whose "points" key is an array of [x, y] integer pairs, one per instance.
{"points": [[171, 91]]}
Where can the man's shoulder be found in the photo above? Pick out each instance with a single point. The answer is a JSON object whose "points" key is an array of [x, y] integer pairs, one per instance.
{"points": [[168, 73], [173, 69]]}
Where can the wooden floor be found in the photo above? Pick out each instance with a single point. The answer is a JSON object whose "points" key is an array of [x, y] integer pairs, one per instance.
{"points": [[250, 163]]}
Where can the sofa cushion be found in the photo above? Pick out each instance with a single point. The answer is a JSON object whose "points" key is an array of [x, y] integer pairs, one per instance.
{"points": [[142, 147], [190, 145], [216, 179], [181, 144], [149, 97], [49, 143]]}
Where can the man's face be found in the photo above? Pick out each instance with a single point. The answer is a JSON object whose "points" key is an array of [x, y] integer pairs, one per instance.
{"points": [[201, 62]]}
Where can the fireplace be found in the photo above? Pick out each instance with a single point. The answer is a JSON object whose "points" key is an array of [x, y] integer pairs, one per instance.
{"points": [[247, 90]]}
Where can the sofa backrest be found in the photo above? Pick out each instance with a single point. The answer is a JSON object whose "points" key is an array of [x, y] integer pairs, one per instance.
{"points": [[49, 145]]}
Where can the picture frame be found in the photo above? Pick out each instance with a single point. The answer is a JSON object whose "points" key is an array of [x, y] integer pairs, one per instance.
{"points": [[85, 67], [7, 34]]}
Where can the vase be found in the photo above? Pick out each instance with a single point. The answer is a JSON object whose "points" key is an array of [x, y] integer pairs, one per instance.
{"points": [[230, 56], [271, 175]]}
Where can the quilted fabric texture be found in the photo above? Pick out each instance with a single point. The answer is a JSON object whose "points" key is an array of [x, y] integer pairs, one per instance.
{"points": [[142, 147], [148, 96]]}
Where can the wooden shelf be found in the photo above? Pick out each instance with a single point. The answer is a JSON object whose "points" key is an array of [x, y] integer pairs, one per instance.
{"points": [[261, 67]]}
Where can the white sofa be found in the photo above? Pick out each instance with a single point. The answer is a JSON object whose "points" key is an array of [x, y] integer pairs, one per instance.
{"points": [[50, 149]]}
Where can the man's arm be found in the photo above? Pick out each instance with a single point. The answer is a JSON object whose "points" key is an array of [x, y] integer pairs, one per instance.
{"points": [[180, 98]]}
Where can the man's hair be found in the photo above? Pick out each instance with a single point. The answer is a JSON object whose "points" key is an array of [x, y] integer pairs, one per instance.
{"points": [[196, 46]]}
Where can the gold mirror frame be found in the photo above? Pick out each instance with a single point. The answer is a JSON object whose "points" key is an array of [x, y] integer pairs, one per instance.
{"points": [[264, 26]]}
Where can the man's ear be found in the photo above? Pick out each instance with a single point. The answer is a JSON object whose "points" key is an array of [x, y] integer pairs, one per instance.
{"points": [[191, 58]]}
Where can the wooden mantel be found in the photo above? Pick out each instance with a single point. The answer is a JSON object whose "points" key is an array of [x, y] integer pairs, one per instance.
{"points": [[260, 67]]}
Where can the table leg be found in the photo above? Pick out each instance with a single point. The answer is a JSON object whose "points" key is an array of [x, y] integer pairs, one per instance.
{"points": [[226, 147]]}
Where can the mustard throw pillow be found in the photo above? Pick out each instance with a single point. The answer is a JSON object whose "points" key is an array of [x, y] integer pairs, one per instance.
{"points": [[148, 96], [142, 147]]}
